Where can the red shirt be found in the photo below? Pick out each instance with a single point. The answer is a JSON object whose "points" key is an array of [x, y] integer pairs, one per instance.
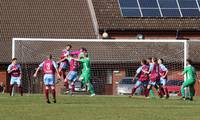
{"points": [[16, 70], [48, 67], [155, 73], [143, 76]]}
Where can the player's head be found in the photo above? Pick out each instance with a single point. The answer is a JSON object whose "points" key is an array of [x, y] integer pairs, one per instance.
{"points": [[188, 62], [160, 61], [73, 56], [50, 56], [86, 55], [149, 60], [83, 49], [154, 60], [14, 61], [68, 47], [143, 62]]}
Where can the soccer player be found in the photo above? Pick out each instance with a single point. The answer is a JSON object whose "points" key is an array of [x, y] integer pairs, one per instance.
{"points": [[191, 77], [143, 76], [63, 63], [15, 71], [154, 77], [85, 75], [149, 61], [49, 68], [163, 77], [72, 76]]}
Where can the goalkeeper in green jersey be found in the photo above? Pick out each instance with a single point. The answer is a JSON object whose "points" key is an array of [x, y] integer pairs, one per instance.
{"points": [[85, 75], [191, 77]]}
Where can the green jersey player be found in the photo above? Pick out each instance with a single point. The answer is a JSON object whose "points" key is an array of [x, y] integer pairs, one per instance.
{"points": [[191, 76], [85, 76]]}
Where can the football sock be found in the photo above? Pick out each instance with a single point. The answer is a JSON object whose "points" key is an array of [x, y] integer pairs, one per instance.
{"points": [[21, 90], [11, 88]]}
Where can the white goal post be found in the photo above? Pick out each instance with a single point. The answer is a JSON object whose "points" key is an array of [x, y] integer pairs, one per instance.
{"points": [[105, 53]]}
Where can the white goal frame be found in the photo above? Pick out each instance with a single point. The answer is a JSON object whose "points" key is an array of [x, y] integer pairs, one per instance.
{"points": [[105, 40]]}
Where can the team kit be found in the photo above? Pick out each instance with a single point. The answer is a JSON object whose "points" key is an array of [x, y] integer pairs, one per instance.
{"points": [[151, 73]]}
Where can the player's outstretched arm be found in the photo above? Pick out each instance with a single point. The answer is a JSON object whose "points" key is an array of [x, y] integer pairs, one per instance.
{"points": [[61, 60], [56, 68], [134, 77], [58, 75], [36, 72], [165, 74]]}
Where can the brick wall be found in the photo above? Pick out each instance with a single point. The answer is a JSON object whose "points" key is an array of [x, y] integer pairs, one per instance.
{"points": [[3, 78]]}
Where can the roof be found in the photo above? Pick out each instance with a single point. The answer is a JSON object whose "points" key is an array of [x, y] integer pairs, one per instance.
{"points": [[43, 19], [109, 18]]}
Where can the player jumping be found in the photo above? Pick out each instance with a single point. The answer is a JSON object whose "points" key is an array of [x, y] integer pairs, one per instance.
{"points": [[143, 76], [191, 77], [72, 76], [163, 77], [63, 64], [49, 68], [149, 61], [85, 75], [154, 77], [15, 71]]}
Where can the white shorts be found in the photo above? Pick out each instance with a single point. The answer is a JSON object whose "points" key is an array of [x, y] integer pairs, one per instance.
{"points": [[163, 81], [15, 80]]}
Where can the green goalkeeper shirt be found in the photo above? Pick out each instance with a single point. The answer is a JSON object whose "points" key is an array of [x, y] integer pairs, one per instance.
{"points": [[86, 64], [190, 72]]}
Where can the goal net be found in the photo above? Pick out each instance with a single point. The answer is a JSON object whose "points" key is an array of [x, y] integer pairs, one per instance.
{"points": [[111, 60]]}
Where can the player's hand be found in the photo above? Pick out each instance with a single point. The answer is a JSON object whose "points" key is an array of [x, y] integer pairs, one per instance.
{"points": [[14, 69], [199, 81], [58, 75], [133, 80], [35, 75], [180, 74]]}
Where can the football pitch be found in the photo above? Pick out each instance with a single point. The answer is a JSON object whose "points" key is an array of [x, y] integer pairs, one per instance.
{"points": [[33, 107]]}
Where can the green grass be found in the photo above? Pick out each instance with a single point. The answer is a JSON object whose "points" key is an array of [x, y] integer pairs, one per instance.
{"points": [[33, 107]]}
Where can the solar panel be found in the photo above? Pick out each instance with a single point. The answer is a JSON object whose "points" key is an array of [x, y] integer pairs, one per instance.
{"points": [[131, 12], [171, 13], [168, 3], [198, 2], [187, 3], [128, 3], [160, 8], [190, 12], [148, 3], [151, 12]]}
